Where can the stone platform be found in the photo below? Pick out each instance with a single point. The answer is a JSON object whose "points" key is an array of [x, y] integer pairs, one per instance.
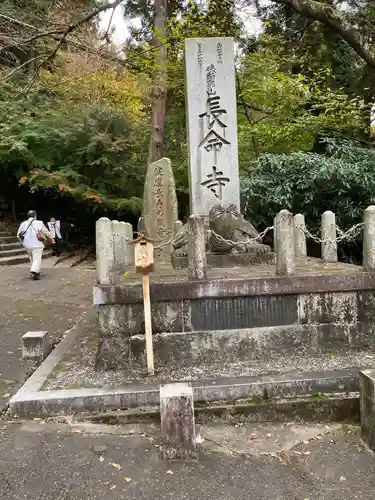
{"points": [[227, 260], [238, 314]]}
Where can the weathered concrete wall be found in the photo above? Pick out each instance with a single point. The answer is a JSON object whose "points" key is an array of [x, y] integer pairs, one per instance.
{"points": [[229, 328]]}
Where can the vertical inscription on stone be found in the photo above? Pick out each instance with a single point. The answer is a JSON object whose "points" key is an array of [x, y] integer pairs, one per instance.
{"points": [[212, 123], [219, 52]]}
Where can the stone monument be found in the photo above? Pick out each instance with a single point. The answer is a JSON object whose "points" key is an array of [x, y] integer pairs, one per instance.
{"points": [[211, 123], [160, 210], [214, 182]]}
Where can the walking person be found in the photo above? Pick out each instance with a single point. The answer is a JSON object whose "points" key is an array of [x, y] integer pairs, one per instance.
{"points": [[33, 233], [54, 227]]}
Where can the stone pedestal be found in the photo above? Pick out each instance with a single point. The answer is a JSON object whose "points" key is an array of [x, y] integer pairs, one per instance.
{"points": [[177, 420], [228, 260]]}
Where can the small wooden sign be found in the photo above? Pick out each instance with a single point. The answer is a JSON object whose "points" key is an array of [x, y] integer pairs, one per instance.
{"points": [[143, 255]]}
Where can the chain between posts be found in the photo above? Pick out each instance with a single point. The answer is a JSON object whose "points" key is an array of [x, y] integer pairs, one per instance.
{"points": [[244, 242], [350, 234]]}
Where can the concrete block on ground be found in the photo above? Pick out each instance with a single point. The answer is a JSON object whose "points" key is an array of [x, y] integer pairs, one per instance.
{"points": [[177, 420], [367, 407], [36, 346]]}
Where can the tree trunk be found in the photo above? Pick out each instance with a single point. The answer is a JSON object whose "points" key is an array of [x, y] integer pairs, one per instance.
{"points": [[159, 88]]}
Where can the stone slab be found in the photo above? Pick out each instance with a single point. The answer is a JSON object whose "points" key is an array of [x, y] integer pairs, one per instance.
{"points": [[211, 123], [233, 346], [224, 261], [177, 290], [31, 403]]}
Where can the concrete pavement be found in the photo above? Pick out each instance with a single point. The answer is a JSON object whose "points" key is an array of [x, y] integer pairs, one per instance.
{"points": [[53, 462], [54, 304]]}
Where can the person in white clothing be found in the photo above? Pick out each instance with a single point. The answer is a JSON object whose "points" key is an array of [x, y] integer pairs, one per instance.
{"points": [[54, 227], [31, 233]]}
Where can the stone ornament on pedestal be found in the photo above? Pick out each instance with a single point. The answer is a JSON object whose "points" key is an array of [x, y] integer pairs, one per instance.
{"points": [[160, 210]]}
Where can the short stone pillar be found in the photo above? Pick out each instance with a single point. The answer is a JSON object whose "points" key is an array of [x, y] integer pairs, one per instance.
{"points": [[285, 254], [367, 406], [369, 239], [299, 236], [197, 261], [177, 420], [36, 346], [329, 237], [105, 258]]}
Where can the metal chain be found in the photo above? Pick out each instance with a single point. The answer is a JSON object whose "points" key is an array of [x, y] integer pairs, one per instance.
{"points": [[244, 242], [350, 234]]}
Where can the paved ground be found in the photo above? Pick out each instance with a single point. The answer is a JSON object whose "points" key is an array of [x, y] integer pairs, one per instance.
{"points": [[45, 461], [55, 463], [54, 304]]}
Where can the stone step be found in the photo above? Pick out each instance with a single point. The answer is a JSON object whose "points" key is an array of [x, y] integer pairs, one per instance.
{"points": [[13, 252], [21, 259], [8, 239], [10, 246]]}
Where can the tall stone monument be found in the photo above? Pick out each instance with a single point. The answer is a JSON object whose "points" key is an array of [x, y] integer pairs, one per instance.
{"points": [[211, 123], [160, 210]]}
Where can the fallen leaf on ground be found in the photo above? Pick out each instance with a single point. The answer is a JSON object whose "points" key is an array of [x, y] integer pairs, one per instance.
{"points": [[116, 466]]}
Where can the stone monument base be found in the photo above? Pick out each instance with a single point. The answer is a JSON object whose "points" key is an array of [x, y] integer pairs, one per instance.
{"points": [[225, 260]]}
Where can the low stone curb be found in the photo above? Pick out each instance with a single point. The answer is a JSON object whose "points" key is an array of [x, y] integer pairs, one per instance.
{"points": [[30, 402]]}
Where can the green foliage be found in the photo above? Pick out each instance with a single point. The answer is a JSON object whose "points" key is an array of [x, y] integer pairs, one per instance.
{"points": [[285, 112], [90, 152], [342, 180]]}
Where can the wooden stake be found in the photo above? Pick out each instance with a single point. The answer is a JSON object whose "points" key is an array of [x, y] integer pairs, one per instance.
{"points": [[148, 326]]}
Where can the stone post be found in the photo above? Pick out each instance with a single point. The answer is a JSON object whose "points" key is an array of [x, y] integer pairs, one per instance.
{"points": [[122, 247], [105, 258], [36, 346], [177, 420], [328, 236], [129, 249], [197, 262], [299, 236], [367, 406], [285, 254], [274, 233], [369, 239]]}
